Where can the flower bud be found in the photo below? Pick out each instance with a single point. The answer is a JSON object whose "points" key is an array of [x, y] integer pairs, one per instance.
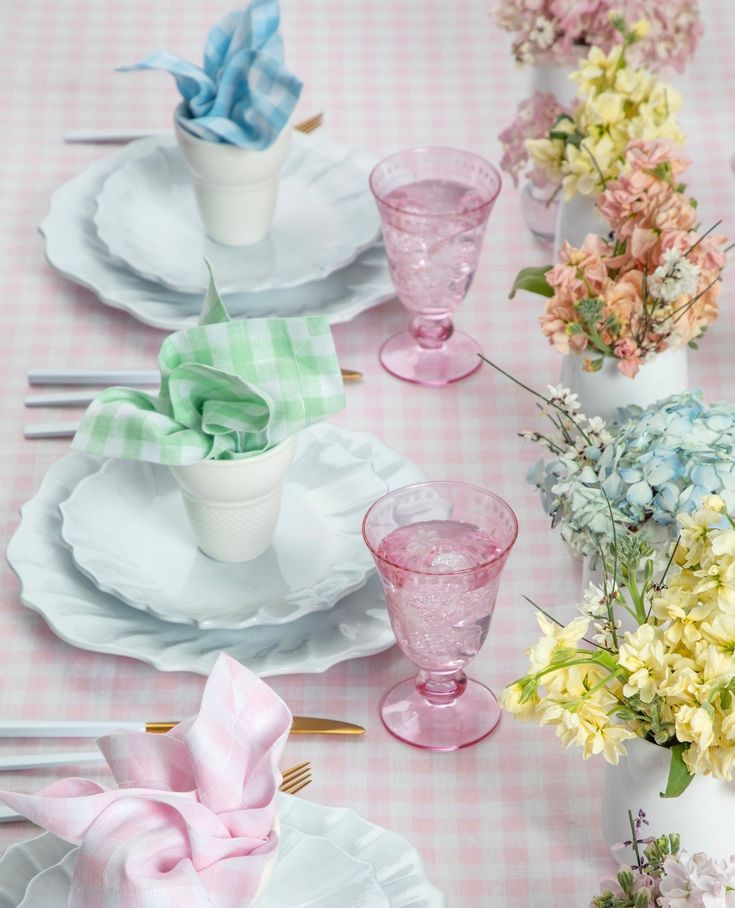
{"points": [[641, 899], [625, 878], [713, 503], [640, 29]]}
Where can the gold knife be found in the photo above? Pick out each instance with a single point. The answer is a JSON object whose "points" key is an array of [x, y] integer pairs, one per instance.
{"points": [[301, 725], [65, 728]]}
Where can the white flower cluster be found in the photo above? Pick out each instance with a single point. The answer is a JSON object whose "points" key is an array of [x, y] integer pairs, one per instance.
{"points": [[675, 277]]}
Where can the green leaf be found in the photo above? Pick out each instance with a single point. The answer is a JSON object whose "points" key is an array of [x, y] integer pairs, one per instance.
{"points": [[595, 364], [679, 775], [533, 280]]}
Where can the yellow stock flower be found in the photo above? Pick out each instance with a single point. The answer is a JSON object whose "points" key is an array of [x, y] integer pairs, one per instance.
{"points": [[720, 631], [510, 700], [617, 104], [722, 762], [605, 109], [555, 640], [548, 154], [607, 739], [643, 654], [717, 584], [597, 71], [694, 723]]}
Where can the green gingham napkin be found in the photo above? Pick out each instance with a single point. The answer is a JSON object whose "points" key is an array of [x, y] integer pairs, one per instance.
{"points": [[228, 390]]}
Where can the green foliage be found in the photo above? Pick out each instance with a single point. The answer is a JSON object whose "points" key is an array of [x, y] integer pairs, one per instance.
{"points": [[533, 280], [679, 775]]}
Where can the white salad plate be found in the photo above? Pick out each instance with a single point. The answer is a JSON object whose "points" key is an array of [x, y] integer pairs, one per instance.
{"points": [[140, 547], [84, 616], [74, 249], [329, 858], [325, 216]]}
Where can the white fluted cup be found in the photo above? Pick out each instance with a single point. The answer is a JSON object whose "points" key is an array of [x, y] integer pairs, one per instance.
{"points": [[236, 188], [233, 505]]}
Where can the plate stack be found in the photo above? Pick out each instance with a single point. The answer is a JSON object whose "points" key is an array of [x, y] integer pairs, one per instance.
{"points": [[128, 229], [105, 553], [368, 865]]}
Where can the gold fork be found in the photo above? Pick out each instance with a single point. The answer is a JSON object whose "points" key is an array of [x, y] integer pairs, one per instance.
{"points": [[296, 778], [310, 124]]}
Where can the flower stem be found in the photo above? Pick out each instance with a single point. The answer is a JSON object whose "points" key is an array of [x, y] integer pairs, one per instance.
{"points": [[634, 836]]}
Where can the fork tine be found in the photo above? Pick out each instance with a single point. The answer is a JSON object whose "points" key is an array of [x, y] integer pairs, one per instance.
{"points": [[296, 770], [294, 780], [296, 788], [310, 124]]}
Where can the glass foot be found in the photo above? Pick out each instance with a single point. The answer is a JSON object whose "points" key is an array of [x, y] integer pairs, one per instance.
{"points": [[450, 726], [455, 359]]}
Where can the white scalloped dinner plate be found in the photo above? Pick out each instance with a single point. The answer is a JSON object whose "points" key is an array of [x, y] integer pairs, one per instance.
{"points": [[140, 547], [325, 216], [84, 616], [329, 858], [75, 250]]}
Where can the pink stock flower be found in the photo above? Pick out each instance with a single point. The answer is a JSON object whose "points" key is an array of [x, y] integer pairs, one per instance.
{"points": [[580, 272], [655, 284], [629, 357], [643, 154], [534, 118], [555, 321], [560, 31]]}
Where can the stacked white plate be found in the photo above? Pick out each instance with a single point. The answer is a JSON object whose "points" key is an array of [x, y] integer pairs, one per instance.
{"points": [[128, 229], [366, 865], [105, 553]]}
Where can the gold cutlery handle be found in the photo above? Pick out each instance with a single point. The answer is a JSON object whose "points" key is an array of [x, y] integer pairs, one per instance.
{"points": [[302, 725]]}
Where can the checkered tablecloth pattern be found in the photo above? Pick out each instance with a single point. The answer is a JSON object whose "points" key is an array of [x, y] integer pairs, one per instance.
{"points": [[514, 821]]}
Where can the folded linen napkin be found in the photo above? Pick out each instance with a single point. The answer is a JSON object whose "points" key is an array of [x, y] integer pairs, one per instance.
{"points": [[229, 389], [244, 95], [191, 821]]}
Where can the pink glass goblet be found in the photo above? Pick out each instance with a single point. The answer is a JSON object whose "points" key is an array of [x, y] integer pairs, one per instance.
{"points": [[434, 204], [440, 549]]}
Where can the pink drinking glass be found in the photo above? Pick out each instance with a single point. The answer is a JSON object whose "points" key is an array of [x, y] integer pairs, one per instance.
{"points": [[434, 204], [440, 549]]}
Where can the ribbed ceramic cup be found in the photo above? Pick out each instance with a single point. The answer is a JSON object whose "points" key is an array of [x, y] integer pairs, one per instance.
{"points": [[236, 188], [233, 505]]}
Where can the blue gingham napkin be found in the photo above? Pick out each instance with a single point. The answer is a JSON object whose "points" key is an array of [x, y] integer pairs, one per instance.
{"points": [[244, 95]]}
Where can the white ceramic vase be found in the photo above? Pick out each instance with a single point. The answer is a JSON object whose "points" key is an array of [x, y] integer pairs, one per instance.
{"points": [[554, 78], [236, 188], [601, 393], [577, 217], [702, 814], [233, 505], [540, 209]]}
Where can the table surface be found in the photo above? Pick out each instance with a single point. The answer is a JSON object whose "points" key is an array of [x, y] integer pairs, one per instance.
{"points": [[515, 820]]}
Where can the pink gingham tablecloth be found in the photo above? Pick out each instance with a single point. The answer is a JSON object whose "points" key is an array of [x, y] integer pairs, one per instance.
{"points": [[514, 821]]}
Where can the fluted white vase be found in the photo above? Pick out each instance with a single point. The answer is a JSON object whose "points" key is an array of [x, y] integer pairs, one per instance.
{"points": [[602, 393], [577, 217], [554, 77], [702, 814]]}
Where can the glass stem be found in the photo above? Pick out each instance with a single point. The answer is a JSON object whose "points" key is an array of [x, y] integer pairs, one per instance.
{"points": [[431, 332], [441, 688]]}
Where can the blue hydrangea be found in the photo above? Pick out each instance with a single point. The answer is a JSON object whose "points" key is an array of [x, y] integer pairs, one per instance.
{"points": [[661, 461]]}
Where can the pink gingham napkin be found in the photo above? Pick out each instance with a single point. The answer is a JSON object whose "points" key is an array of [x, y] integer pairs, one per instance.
{"points": [[191, 822]]}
